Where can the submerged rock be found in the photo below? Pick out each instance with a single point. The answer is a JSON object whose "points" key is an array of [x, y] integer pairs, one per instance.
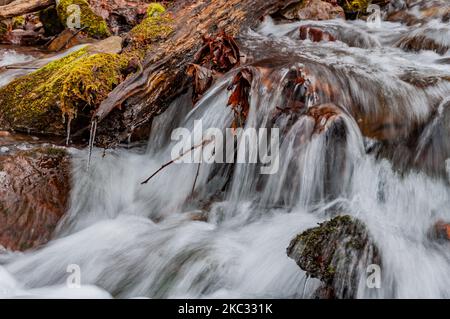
{"points": [[336, 252], [34, 192]]}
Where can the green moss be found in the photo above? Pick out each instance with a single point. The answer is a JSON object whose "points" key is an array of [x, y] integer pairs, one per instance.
{"points": [[78, 81], [94, 25], [155, 9], [18, 22], [157, 25], [50, 21], [354, 8], [3, 29]]}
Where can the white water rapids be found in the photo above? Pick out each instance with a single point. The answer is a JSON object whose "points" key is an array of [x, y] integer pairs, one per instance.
{"points": [[133, 240]]}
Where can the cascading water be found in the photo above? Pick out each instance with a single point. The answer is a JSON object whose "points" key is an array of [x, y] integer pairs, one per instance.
{"points": [[228, 237]]}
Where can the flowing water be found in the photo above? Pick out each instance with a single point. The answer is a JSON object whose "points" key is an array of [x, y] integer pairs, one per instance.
{"points": [[228, 237]]}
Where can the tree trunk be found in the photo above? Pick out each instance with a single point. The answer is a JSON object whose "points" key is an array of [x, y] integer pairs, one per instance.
{"points": [[20, 7], [132, 105], [5, 2]]}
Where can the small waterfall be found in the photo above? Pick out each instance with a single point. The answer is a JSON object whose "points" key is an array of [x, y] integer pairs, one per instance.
{"points": [[343, 133]]}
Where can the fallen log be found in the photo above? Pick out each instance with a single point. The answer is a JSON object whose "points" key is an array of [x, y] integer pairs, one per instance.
{"points": [[20, 7], [132, 104]]}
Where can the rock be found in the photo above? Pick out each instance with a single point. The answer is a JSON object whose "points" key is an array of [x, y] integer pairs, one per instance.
{"points": [[66, 88], [111, 45], [34, 193], [24, 37], [315, 34], [441, 231], [65, 40], [313, 10], [427, 38], [91, 23], [336, 252]]}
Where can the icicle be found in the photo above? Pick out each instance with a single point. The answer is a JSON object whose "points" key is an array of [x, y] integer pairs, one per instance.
{"points": [[69, 121], [91, 141], [304, 287]]}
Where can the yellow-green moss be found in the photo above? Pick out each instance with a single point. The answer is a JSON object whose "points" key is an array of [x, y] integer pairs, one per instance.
{"points": [[78, 81], [353, 7], [18, 22], [94, 25], [155, 9], [3, 29], [157, 25]]}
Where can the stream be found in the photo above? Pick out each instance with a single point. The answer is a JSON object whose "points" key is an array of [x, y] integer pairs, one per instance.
{"points": [[228, 237]]}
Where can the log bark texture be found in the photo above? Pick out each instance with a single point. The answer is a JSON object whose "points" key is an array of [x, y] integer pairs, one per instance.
{"points": [[132, 105], [20, 7]]}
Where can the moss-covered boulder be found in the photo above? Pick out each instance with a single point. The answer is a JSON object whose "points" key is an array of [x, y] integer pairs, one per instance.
{"points": [[337, 252], [157, 25], [43, 100], [94, 25]]}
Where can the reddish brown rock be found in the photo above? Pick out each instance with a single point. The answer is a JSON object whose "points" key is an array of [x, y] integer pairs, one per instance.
{"points": [[441, 230], [313, 10], [315, 34], [65, 40], [323, 116], [34, 192]]}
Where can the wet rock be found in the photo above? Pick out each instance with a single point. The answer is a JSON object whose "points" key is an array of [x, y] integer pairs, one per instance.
{"points": [[336, 252], [324, 116], [440, 231], [433, 38], [65, 40], [315, 34], [64, 88], [313, 10], [34, 192]]}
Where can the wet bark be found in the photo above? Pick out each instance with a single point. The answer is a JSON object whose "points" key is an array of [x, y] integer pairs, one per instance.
{"points": [[20, 7]]}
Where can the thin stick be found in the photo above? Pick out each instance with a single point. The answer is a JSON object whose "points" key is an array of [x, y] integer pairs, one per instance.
{"points": [[13, 67], [203, 143], [195, 180]]}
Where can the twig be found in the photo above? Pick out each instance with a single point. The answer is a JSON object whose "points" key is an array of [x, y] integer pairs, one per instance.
{"points": [[12, 67], [203, 143], [195, 180]]}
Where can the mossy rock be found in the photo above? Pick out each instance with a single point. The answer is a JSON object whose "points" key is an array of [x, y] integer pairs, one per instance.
{"points": [[3, 29], [94, 25], [75, 84], [158, 24], [336, 252], [354, 8], [50, 21], [18, 22]]}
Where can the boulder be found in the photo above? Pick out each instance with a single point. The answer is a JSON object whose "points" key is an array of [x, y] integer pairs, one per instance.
{"points": [[337, 252], [313, 10], [34, 193]]}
